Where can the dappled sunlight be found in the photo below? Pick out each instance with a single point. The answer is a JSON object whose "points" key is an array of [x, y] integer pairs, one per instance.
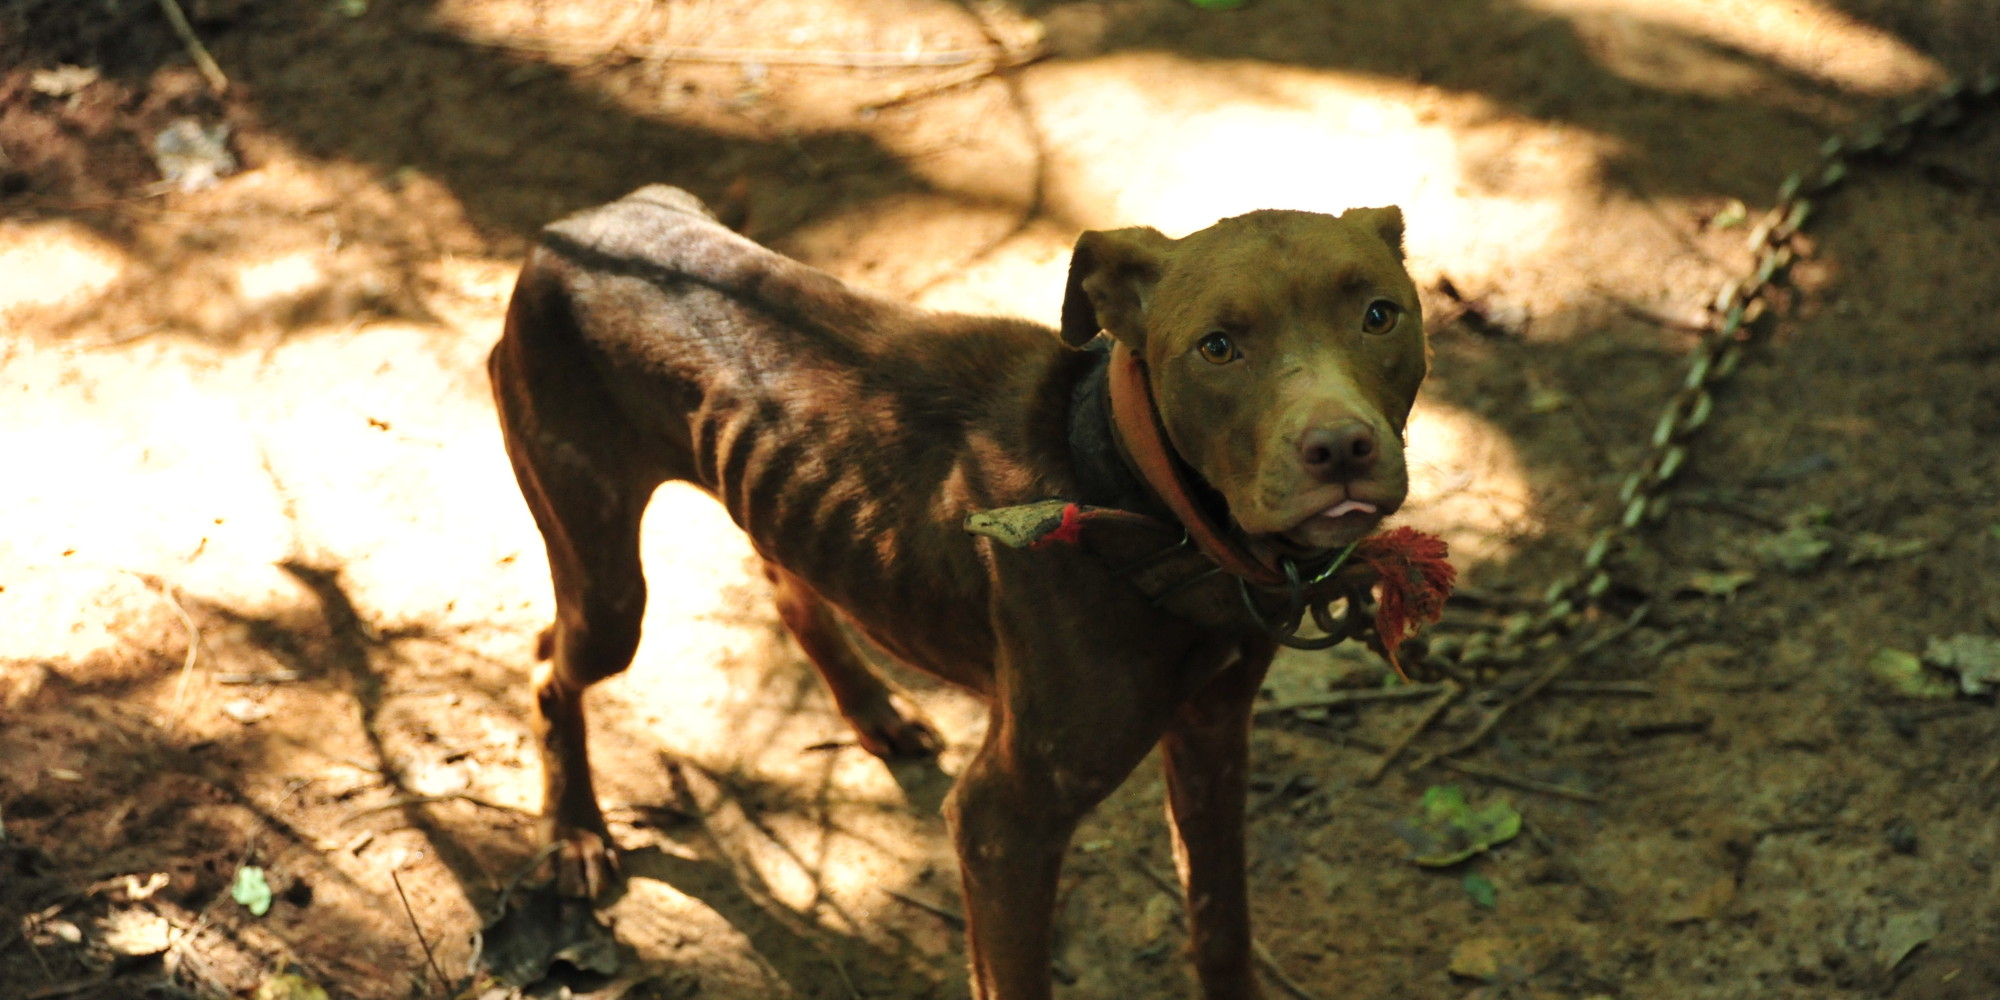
{"points": [[51, 266], [1659, 43], [1468, 485], [1177, 143], [209, 468]]}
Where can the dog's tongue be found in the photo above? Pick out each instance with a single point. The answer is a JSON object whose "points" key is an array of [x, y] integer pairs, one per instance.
{"points": [[1348, 507]]}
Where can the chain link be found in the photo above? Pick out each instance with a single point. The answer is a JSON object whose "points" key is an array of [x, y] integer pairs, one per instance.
{"points": [[1743, 310]]}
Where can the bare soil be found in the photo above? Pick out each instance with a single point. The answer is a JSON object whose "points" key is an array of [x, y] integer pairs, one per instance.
{"points": [[269, 595]]}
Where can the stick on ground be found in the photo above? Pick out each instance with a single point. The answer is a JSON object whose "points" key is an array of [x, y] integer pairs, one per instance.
{"points": [[195, 50]]}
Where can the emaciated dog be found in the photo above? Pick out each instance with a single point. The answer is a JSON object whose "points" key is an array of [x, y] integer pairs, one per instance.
{"points": [[1244, 424]]}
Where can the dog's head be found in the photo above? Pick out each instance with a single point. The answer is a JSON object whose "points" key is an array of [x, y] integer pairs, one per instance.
{"points": [[1284, 351]]}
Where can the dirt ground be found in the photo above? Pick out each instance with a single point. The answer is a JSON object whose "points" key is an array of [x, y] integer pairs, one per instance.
{"points": [[268, 593]]}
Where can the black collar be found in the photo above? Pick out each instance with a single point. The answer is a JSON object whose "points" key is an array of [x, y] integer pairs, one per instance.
{"points": [[1103, 477]]}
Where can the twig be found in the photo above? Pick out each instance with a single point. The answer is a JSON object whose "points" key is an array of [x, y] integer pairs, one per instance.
{"points": [[1444, 699], [443, 983], [1037, 142], [845, 979], [194, 641], [195, 50], [1645, 315], [1516, 781], [421, 800], [802, 58], [85, 984], [948, 916], [1544, 679], [1356, 696], [1002, 60], [1257, 949], [1610, 689], [1270, 967]]}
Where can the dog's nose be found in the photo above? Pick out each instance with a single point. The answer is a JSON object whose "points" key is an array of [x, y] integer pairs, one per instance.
{"points": [[1341, 453]]}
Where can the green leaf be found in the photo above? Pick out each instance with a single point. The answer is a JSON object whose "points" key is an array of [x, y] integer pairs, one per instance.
{"points": [[1723, 584], [1994, 530], [1974, 658], [289, 986], [252, 890], [1732, 215], [1479, 889], [1904, 673], [1798, 549], [1450, 830]]}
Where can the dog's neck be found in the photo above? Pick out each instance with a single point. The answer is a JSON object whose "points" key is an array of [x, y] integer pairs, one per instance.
{"points": [[1106, 475], [1122, 455]]}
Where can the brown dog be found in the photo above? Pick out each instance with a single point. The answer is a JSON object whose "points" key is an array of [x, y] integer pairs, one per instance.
{"points": [[1259, 378]]}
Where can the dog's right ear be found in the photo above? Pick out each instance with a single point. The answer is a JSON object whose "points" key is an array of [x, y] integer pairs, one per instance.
{"points": [[1111, 278]]}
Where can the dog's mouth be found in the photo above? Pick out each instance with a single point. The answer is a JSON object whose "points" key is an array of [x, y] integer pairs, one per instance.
{"points": [[1335, 526]]}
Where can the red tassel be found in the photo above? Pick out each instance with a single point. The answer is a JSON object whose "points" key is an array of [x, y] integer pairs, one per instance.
{"points": [[1069, 532], [1416, 578]]}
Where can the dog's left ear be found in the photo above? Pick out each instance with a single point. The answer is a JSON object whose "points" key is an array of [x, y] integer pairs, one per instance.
{"points": [[1386, 222], [1111, 278]]}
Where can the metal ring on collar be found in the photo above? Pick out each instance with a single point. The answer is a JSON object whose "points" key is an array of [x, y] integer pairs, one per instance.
{"points": [[1286, 631]]}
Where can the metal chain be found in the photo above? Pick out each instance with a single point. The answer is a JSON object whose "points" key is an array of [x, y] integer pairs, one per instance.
{"points": [[1743, 310]]}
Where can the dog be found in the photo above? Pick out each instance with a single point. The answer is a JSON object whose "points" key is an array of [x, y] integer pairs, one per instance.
{"points": [[984, 499]]}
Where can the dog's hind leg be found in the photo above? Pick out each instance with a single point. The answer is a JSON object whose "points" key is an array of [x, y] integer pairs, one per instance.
{"points": [[888, 726], [587, 481]]}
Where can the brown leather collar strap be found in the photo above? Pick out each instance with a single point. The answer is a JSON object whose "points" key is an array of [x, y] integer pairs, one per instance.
{"points": [[1137, 422]]}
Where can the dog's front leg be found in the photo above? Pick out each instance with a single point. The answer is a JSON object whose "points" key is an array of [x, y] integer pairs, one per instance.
{"points": [[1207, 751], [1011, 830], [1086, 680]]}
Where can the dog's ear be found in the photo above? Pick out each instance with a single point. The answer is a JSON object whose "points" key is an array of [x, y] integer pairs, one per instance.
{"points": [[1385, 222], [1111, 277]]}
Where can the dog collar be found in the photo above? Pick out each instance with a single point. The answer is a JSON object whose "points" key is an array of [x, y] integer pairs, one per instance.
{"points": [[1135, 419]]}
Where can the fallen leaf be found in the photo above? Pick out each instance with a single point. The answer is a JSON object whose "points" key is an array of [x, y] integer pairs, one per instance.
{"points": [[1723, 584], [136, 890], [245, 711], [1480, 890], [135, 932], [1732, 215], [252, 890], [1904, 673], [289, 986], [1489, 958], [1904, 933], [540, 927], [192, 156], [1974, 658], [63, 80], [1545, 401], [1800, 548], [1705, 903], [1869, 547], [1449, 830]]}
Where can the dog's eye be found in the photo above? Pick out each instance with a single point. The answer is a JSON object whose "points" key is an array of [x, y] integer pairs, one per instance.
{"points": [[1381, 316], [1218, 349]]}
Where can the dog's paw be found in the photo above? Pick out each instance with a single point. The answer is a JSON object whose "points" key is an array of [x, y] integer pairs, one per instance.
{"points": [[582, 863], [897, 731]]}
